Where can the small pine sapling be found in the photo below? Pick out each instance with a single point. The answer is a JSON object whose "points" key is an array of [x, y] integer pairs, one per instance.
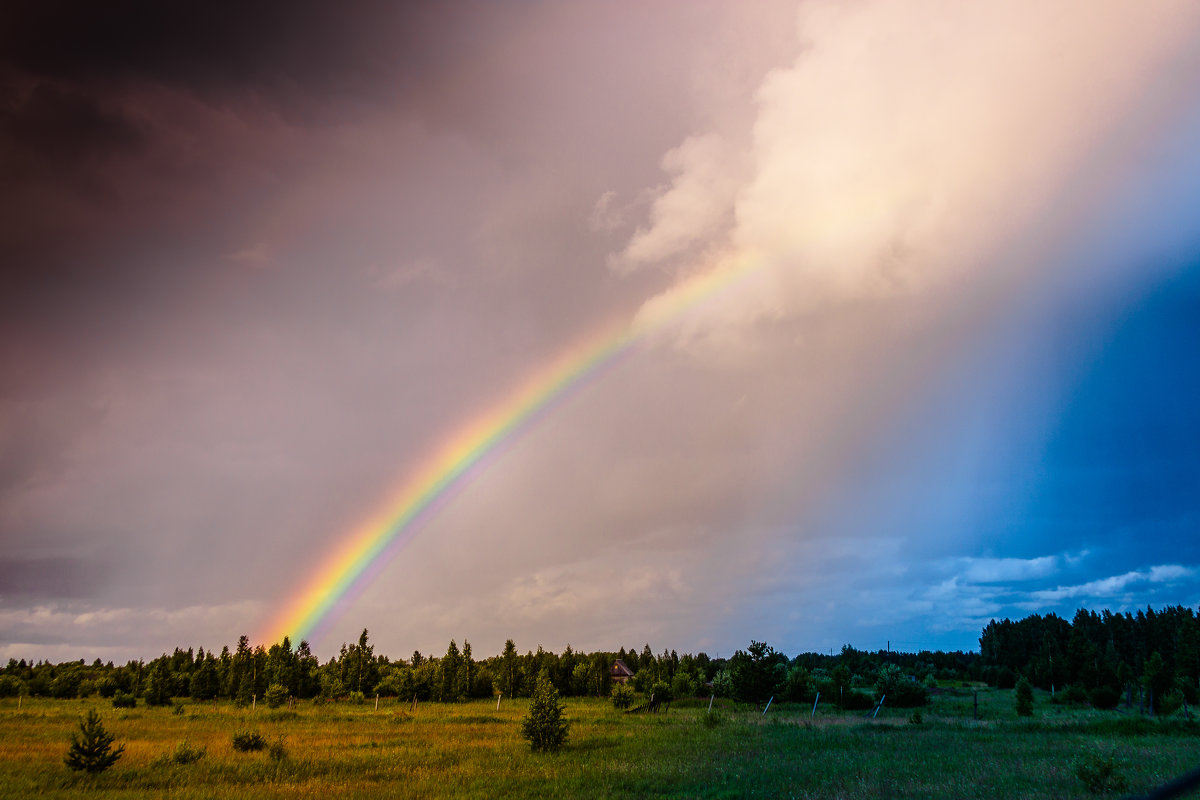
{"points": [[544, 726], [1024, 698], [91, 749]]}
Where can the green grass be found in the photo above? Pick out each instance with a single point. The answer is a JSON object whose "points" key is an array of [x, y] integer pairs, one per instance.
{"points": [[471, 750]]}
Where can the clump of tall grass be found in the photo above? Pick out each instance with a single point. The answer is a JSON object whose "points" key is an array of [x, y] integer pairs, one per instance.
{"points": [[276, 751], [1100, 774], [184, 753], [246, 741]]}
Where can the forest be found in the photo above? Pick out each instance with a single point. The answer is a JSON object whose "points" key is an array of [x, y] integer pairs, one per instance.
{"points": [[1101, 659]]}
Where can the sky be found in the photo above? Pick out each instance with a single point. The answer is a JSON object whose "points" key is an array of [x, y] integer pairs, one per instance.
{"points": [[906, 302]]}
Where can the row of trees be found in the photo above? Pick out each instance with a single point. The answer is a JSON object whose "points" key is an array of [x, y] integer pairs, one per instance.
{"points": [[1100, 656], [358, 672]]}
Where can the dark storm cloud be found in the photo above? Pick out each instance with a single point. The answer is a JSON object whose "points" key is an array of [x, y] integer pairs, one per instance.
{"points": [[96, 100], [281, 48], [63, 123]]}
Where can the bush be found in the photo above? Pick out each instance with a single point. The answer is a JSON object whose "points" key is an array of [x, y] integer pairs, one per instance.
{"points": [[915, 718], [1099, 774], [1169, 703], [1066, 696], [245, 741], [854, 700], [907, 694], [1105, 697], [10, 686], [622, 695], [91, 749], [184, 753], [684, 685], [544, 726], [277, 752], [1076, 696], [276, 695], [357, 698], [660, 693], [1024, 698], [122, 700]]}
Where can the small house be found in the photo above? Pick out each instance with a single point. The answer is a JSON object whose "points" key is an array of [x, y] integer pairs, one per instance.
{"points": [[620, 672]]}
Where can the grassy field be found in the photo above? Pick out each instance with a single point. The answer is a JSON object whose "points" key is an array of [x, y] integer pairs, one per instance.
{"points": [[472, 750]]}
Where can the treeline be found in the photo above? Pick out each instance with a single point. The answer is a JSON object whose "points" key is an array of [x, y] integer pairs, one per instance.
{"points": [[852, 678], [1097, 658], [1100, 658], [248, 674]]}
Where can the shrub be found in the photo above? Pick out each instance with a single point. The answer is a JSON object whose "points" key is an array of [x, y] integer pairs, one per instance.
{"points": [[276, 695], [544, 726], [357, 698], [1105, 697], [907, 694], [10, 686], [1024, 698], [660, 693], [1169, 703], [854, 700], [684, 685], [91, 749], [122, 700], [277, 752], [1099, 774], [245, 741], [622, 695], [184, 753], [915, 718], [1076, 696]]}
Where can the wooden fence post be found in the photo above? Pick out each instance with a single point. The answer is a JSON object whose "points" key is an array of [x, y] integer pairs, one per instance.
{"points": [[816, 700]]}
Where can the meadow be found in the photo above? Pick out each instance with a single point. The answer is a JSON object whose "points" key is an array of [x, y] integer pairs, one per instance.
{"points": [[471, 749]]}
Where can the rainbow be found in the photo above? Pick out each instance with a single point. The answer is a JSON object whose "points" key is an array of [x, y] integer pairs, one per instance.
{"points": [[361, 554]]}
